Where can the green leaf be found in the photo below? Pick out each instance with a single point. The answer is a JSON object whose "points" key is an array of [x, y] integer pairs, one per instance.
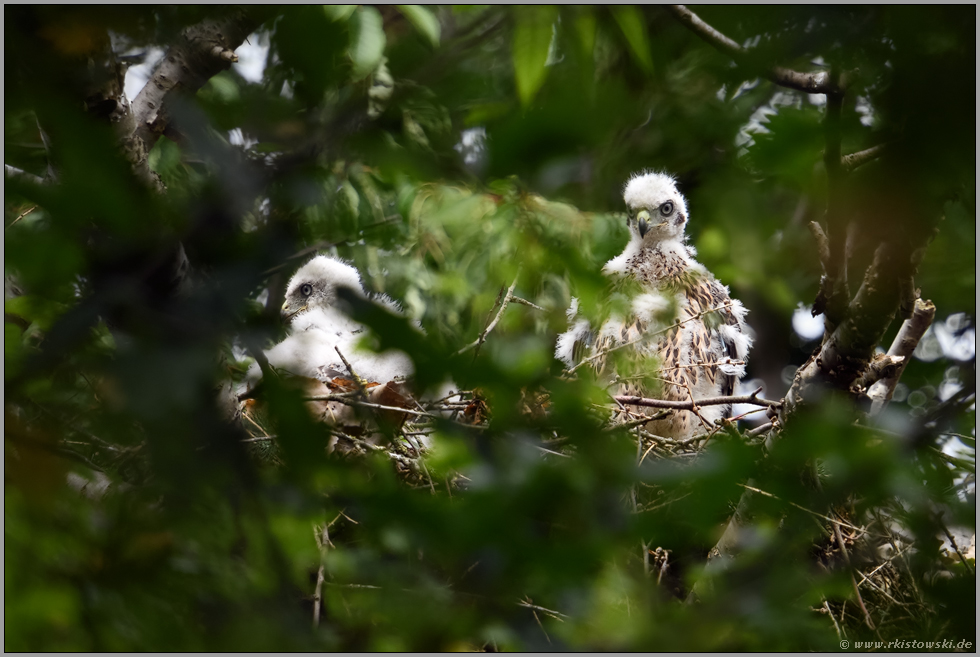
{"points": [[634, 28], [12, 346], [339, 13], [532, 38], [351, 196], [34, 309], [165, 157], [223, 87], [585, 27], [424, 21], [368, 41], [790, 146]]}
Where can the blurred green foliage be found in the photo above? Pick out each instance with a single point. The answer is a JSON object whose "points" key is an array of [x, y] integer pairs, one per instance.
{"points": [[497, 154]]}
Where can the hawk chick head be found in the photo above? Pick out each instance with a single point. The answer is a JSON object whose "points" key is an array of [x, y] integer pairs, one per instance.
{"points": [[656, 210], [314, 286]]}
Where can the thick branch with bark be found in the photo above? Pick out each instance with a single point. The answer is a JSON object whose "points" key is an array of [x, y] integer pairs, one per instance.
{"points": [[203, 51], [833, 295], [854, 326], [880, 368], [902, 347], [847, 352]]}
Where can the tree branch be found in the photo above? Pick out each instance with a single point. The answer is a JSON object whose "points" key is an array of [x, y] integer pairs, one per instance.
{"points": [[811, 83], [723, 553], [694, 22], [833, 295], [322, 537], [823, 247], [847, 352], [356, 402], [483, 336], [902, 346], [691, 405], [826, 280], [854, 160], [878, 369], [875, 301], [202, 51]]}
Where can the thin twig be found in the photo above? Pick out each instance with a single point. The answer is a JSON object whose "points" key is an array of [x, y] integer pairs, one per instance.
{"points": [[525, 302], [548, 451], [258, 439], [833, 521], [690, 405], [358, 380], [850, 571], [551, 612], [854, 160], [879, 589], [660, 505], [652, 445], [322, 537], [963, 464], [317, 597], [459, 393], [535, 614], [21, 216], [742, 416], [647, 336], [952, 541], [826, 606], [483, 336], [663, 568], [639, 422], [421, 461], [882, 565], [357, 402], [661, 440]]}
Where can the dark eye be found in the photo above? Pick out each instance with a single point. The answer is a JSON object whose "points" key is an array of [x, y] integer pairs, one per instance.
{"points": [[306, 289], [667, 208]]}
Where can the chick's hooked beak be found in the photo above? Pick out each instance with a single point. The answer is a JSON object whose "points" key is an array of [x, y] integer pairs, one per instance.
{"points": [[644, 225], [287, 312], [643, 222]]}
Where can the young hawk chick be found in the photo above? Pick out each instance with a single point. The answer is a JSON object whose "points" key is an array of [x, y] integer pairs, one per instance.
{"points": [[682, 316], [318, 326]]}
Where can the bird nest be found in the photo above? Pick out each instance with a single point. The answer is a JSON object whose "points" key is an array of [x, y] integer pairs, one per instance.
{"points": [[368, 418]]}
